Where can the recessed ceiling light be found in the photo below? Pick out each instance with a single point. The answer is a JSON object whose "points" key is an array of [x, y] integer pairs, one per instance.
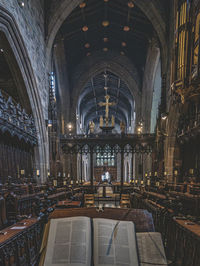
{"points": [[21, 3], [105, 39], [130, 4], [85, 28], [124, 44], [1, 50], [87, 45], [106, 1], [82, 5], [88, 54], [105, 49], [126, 28], [105, 23]]}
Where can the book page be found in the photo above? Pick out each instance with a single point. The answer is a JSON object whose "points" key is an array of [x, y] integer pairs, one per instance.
{"points": [[151, 250], [114, 245], [69, 242]]}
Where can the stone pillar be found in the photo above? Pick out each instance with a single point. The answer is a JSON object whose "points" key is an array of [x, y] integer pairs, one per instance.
{"points": [[91, 167], [122, 169], [81, 167], [63, 84], [132, 165]]}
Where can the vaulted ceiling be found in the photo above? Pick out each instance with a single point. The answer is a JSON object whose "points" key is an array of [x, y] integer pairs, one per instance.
{"points": [[106, 25], [94, 92], [123, 28]]}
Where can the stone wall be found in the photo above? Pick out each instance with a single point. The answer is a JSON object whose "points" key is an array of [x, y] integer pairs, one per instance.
{"points": [[30, 22]]}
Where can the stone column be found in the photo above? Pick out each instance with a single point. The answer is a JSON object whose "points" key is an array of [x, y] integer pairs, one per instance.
{"points": [[81, 167], [122, 169], [91, 167], [62, 83]]}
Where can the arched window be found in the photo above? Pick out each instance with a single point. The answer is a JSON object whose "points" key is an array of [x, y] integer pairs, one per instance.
{"points": [[105, 157]]}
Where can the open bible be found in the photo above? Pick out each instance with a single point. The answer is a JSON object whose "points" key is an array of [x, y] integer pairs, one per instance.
{"points": [[82, 241]]}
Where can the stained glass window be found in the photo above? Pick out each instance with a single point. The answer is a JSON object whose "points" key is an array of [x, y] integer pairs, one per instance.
{"points": [[105, 157]]}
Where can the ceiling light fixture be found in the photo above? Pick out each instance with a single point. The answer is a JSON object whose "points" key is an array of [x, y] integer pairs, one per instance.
{"points": [[130, 4], [105, 49], [105, 39], [1, 50], [87, 45], [82, 5], [21, 3], [105, 23], [124, 44], [88, 54], [106, 1], [126, 28], [85, 28], [122, 53]]}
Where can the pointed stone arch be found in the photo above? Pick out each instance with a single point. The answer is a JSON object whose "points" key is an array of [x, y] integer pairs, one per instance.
{"points": [[9, 28]]}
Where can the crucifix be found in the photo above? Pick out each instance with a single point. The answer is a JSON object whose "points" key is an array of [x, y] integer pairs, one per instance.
{"points": [[107, 104]]}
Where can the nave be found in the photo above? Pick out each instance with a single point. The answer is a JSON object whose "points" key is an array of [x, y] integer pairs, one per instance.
{"points": [[99, 132]]}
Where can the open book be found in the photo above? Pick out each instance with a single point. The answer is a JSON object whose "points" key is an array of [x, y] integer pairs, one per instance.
{"points": [[82, 241]]}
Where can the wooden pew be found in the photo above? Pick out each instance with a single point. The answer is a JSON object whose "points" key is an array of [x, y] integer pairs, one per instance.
{"points": [[3, 219], [20, 247], [89, 200]]}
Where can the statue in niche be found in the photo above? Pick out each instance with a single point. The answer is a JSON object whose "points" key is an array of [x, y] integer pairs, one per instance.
{"points": [[91, 127], [113, 121], [101, 121], [122, 127]]}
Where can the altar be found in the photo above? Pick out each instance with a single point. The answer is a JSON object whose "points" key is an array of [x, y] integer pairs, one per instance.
{"points": [[101, 170]]}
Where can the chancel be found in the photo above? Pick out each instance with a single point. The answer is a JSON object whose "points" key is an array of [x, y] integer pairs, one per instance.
{"points": [[99, 132]]}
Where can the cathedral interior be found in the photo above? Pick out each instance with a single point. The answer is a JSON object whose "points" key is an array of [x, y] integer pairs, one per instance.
{"points": [[100, 117]]}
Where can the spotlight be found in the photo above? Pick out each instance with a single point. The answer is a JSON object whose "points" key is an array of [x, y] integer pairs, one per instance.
{"points": [[164, 116], [21, 3], [69, 126]]}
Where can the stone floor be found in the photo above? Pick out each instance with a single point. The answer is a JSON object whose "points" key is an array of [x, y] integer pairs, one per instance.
{"points": [[111, 200]]}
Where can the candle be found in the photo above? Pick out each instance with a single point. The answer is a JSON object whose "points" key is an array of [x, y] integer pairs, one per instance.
{"points": [[55, 183], [176, 172], [148, 182], [22, 172], [165, 173], [38, 172], [64, 183], [191, 171]]}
